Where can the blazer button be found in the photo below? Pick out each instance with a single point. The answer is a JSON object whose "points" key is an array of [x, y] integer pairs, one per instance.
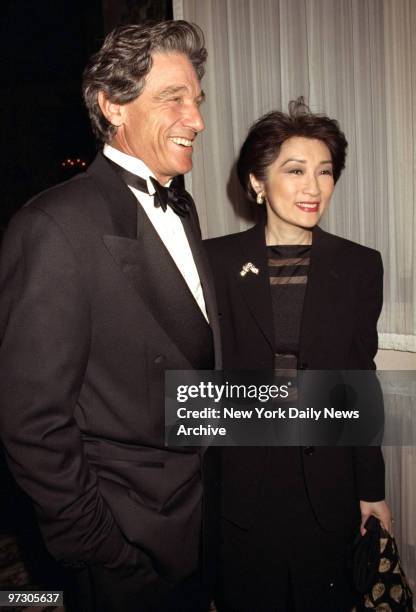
{"points": [[159, 359], [309, 450]]}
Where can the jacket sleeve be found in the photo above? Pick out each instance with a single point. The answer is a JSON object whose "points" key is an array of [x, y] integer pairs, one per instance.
{"points": [[45, 332], [370, 302], [369, 463]]}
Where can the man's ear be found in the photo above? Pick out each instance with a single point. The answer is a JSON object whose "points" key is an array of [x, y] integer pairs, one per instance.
{"points": [[112, 111], [257, 185]]}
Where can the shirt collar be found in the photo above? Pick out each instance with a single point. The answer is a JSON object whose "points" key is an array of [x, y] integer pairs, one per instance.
{"points": [[132, 164]]}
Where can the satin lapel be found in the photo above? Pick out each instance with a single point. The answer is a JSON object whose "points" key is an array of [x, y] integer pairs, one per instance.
{"points": [[321, 290], [192, 232], [255, 288], [152, 272], [120, 201], [143, 258]]}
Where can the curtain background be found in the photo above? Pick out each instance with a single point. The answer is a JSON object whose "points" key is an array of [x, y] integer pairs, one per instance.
{"points": [[356, 61]]}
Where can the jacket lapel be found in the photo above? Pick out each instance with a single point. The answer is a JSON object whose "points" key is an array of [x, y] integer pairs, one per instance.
{"points": [[321, 289], [120, 201], [255, 288], [192, 231], [144, 260]]}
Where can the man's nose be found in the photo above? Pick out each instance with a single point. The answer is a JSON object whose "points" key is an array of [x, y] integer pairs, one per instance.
{"points": [[194, 119]]}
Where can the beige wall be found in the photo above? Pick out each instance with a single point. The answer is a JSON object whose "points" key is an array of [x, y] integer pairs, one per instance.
{"points": [[395, 360]]}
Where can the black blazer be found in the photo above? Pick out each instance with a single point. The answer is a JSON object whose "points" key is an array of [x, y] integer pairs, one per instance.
{"points": [[92, 312], [338, 331]]}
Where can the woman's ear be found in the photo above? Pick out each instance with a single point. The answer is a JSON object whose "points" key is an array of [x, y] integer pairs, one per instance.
{"points": [[112, 111], [258, 187]]}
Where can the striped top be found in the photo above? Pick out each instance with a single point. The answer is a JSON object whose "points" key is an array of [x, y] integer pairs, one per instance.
{"points": [[288, 274]]}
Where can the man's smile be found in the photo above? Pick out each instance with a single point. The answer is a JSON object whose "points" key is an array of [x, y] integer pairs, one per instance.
{"points": [[184, 142]]}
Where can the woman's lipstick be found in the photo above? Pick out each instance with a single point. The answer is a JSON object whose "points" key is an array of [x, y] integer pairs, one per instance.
{"points": [[309, 207]]}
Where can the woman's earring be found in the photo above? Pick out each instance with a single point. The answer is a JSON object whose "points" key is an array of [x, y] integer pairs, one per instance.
{"points": [[260, 197]]}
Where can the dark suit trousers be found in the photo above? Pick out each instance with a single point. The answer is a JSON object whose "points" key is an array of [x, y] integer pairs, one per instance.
{"points": [[98, 589], [284, 561]]}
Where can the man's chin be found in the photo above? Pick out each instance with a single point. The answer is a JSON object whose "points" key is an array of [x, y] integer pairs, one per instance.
{"points": [[183, 168]]}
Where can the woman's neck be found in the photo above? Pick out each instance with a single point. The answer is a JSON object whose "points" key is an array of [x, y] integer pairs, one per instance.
{"points": [[287, 235]]}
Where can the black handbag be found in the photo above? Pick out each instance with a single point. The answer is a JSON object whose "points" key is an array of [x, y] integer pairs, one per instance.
{"points": [[377, 573]]}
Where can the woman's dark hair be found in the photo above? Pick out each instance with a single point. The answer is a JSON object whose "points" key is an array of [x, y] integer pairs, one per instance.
{"points": [[266, 136], [119, 68]]}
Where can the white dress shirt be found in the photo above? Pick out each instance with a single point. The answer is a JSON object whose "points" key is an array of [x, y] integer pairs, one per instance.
{"points": [[167, 223]]}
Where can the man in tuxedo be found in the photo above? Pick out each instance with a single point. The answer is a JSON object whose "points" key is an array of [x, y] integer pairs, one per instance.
{"points": [[104, 286]]}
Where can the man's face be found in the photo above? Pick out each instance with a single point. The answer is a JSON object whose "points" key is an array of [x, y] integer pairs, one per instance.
{"points": [[160, 126]]}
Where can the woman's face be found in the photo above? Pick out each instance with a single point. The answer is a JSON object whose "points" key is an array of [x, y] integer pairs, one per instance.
{"points": [[299, 184]]}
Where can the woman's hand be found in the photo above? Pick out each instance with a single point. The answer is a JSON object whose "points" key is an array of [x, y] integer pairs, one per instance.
{"points": [[378, 509]]}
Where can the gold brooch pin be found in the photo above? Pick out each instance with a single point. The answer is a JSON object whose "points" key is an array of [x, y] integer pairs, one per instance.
{"points": [[248, 267]]}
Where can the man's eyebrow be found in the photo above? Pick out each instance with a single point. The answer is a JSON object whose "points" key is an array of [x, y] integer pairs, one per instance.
{"points": [[175, 90], [303, 161], [170, 91]]}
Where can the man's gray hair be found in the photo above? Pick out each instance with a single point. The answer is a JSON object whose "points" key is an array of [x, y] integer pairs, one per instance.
{"points": [[120, 67]]}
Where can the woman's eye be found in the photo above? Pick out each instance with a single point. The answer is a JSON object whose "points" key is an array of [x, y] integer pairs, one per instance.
{"points": [[327, 171], [296, 171]]}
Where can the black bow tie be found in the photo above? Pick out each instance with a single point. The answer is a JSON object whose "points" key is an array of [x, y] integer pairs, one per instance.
{"points": [[179, 200], [174, 196]]}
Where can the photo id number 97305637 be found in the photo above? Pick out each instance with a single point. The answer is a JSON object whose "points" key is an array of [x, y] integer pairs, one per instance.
{"points": [[32, 598]]}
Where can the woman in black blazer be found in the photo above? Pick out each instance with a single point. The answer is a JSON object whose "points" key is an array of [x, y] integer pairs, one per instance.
{"points": [[295, 297]]}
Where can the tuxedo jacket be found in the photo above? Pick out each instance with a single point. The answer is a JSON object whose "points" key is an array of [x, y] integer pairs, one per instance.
{"points": [[93, 311], [342, 303]]}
